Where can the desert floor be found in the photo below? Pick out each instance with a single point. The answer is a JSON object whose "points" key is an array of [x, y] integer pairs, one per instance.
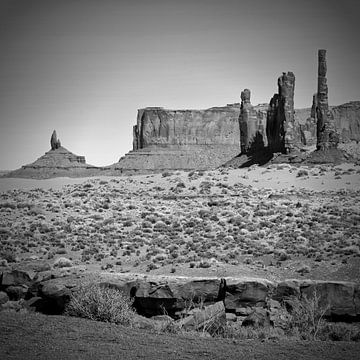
{"points": [[272, 222], [59, 337]]}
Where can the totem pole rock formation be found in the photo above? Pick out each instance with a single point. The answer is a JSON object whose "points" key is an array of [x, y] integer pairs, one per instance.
{"points": [[252, 125], [327, 137], [54, 141], [280, 118]]}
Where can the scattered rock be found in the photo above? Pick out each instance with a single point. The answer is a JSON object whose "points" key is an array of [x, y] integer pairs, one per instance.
{"points": [[4, 298], [63, 262], [258, 318], [209, 319]]}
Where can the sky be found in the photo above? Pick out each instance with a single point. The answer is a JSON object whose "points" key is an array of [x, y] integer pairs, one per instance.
{"points": [[84, 67]]}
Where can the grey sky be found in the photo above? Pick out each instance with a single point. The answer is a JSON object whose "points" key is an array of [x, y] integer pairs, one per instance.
{"points": [[84, 67]]}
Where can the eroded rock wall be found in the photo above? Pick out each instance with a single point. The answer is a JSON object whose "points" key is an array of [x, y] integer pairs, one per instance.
{"points": [[182, 139], [160, 127]]}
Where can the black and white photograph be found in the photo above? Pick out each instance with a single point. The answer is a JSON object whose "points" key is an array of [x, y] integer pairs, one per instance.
{"points": [[179, 179]]}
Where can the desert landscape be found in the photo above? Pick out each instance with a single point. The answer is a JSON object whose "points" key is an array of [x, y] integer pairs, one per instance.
{"points": [[225, 232]]}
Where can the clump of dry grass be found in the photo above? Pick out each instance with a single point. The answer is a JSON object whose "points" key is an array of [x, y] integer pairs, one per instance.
{"points": [[101, 303]]}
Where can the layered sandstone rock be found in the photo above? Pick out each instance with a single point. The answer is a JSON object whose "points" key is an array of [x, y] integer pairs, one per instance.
{"points": [[182, 139], [346, 119], [153, 294]]}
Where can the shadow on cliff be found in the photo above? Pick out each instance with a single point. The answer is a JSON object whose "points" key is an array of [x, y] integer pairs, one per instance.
{"points": [[257, 154]]}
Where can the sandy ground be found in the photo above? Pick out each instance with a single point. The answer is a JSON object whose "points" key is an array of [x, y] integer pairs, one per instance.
{"points": [[55, 337], [275, 222], [283, 176]]}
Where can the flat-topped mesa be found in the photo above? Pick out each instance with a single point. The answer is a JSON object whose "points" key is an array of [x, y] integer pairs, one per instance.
{"points": [[280, 129], [182, 139], [252, 126], [54, 141], [327, 137]]}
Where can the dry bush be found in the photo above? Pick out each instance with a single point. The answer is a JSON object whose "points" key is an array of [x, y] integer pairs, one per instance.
{"points": [[306, 316], [101, 303]]}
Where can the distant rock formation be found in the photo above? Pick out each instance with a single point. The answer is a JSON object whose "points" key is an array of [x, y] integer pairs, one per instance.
{"points": [[252, 122], [56, 162], [280, 127], [182, 139], [327, 137], [54, 141]]}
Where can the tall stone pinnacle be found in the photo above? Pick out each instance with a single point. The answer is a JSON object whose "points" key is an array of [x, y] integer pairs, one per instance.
{"points": [[54, 141], [327, 137], [280, 118], [286, 84], [252, 128], [247, 124]]}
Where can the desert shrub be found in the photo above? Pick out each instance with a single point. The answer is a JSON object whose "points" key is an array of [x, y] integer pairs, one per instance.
{"points": [[166, 174], [306, 316], [8, 255], [232, 331], [101, 303], [204, 264], [302, 173], [63, 262], [339, 332]]}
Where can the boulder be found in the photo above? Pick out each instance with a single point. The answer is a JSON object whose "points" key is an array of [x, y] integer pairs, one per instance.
{"points": [[174, 294], [4, 298], [242, 293], [209, 319], [341, 297], [286, 289], [17, 292], [56, 296], [258, 318], [18, 277]]}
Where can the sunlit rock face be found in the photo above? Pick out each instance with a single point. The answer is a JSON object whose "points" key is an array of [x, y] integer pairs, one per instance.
{"points": [[183, 139]]}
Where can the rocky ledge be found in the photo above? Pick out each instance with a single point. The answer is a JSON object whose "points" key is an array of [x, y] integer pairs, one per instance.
{"points": [[48, 291]]}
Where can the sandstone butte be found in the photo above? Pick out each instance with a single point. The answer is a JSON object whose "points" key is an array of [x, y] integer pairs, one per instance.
{"points": [[232, 135]]}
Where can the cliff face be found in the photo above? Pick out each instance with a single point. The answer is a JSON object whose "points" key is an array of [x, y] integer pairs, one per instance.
{"points": [[345, 117], [182, 139], [160, 127], [206, 139]]}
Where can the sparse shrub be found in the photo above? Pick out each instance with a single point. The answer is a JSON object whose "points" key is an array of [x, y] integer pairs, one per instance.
{"points": [[101, 303], [306, 316], [204, 264], [63, 262], [339, 332], [8, 255], [302, 173]]}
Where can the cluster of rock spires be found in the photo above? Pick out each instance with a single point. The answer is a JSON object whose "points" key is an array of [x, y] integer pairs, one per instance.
{"points": [[206, 139]]}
